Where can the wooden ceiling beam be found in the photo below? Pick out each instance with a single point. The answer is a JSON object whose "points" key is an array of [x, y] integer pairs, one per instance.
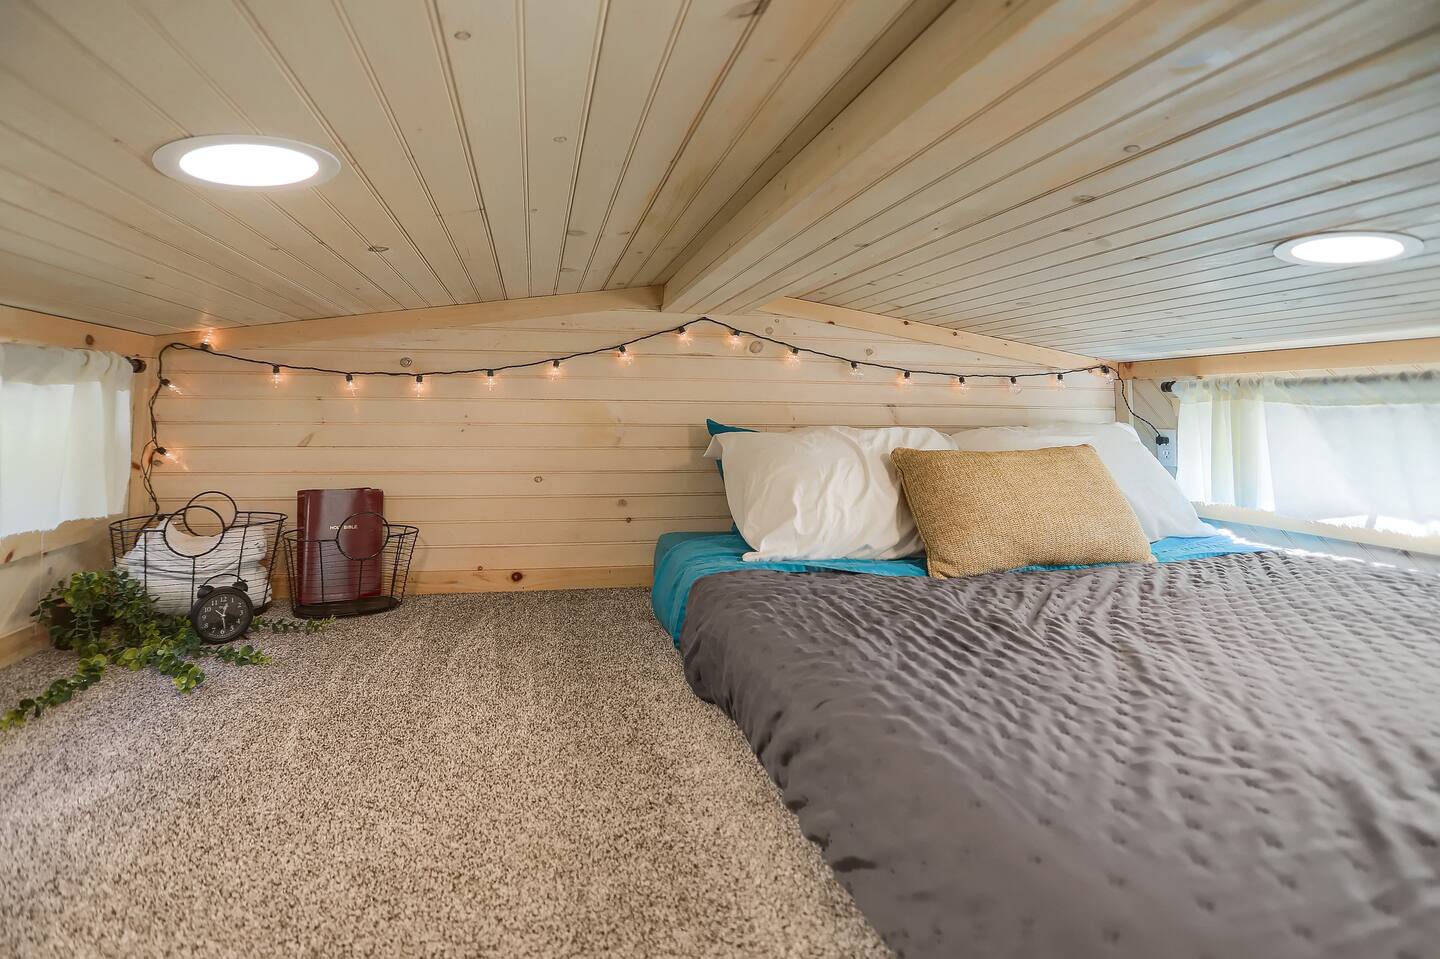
{"points": [[1345, 356], [27, 326], [915, 102], [427, 318], [926, 333]]}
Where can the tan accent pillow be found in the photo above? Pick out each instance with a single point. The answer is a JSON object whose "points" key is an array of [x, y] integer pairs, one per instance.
{"points": [[979, 512]]}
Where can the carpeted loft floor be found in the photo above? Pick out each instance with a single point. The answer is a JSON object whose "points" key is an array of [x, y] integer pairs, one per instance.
{"points": [[488, 775]]}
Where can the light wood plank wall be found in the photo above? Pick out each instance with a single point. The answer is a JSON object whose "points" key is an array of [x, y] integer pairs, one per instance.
{"points": [[551, 482]]}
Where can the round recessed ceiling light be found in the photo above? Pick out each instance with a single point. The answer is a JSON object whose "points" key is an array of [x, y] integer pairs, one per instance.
{"points": [[246, 162], [1348, 249]]}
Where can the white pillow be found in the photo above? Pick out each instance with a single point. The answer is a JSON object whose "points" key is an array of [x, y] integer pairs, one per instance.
{"points": [[826, 492], [1153, 493]]}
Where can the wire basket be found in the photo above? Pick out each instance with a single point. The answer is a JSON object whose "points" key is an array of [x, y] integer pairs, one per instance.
{"points": [[172, 555], [364, 568]]}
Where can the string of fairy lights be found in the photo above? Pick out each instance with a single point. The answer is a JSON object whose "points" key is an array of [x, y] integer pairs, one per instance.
{"points": [[554, 366]]}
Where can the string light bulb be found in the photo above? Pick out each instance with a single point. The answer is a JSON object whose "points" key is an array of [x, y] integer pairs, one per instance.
{"points": [[855, 369], [735, 339], [206, 339], [554, 367], [682, 334], [624, 355], [350, 382], [1104, 373], [961, 385], [275, 376], [490, 379], [165, 454], [419, 383], [793, 356], [1014, 385], [172, 387], [903, 379], [1058, 382]]}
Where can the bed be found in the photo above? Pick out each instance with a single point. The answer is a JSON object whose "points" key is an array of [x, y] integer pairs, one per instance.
{"points": [[1236, 753]]}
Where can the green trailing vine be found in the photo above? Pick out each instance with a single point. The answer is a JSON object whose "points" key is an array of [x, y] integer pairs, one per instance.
{"points": [[108, 619]]}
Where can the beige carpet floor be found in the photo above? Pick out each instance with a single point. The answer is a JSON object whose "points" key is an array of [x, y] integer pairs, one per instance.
{"points": [[489, 775]]}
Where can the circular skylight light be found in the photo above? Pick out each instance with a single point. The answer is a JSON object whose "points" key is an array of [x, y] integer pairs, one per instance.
{"points": [[246, 162], [1348, 249]]}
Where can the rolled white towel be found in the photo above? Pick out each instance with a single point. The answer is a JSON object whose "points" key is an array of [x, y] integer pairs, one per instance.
{"points": [[172, 575]]}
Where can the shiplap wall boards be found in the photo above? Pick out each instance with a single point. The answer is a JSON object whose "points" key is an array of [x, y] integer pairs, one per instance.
{"points": [[553, 481]]}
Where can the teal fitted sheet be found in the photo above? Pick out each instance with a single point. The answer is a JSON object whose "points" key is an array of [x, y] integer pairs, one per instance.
{"points": [[683, 558]]}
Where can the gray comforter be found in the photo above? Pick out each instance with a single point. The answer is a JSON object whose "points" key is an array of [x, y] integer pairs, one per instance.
{"points": [[1233, 757]]}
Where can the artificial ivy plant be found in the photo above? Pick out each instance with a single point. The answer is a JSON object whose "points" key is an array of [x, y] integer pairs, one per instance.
{"points": [[108, 619]]}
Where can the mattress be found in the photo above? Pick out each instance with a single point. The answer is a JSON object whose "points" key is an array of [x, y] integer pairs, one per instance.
{"points": [[683, 558], [1233, 756]]}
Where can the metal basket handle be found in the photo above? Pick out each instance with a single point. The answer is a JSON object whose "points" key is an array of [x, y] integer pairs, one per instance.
{"points": [[166, 526], [224, 526], [378, 550]]}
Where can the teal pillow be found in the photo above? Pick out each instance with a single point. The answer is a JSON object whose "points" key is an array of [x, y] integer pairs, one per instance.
{"points": [[717, 428]]}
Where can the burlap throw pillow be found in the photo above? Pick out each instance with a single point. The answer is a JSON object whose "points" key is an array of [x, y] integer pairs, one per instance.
{"points": [[984, 511]]}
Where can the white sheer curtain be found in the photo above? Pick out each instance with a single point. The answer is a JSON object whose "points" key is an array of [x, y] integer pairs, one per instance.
{"points": [[64, 436], [1358, 451]]}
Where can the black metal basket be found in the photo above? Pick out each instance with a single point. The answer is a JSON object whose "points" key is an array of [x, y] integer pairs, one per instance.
{"points": [[173, 555], [362, 569]]}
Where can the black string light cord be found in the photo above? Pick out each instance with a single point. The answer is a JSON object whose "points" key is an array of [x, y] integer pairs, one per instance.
{"points": [[153, 449], [1160, 438]]}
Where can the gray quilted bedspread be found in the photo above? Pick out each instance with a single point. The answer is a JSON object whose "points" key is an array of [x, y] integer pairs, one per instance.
{"points": [[1232, 757]]}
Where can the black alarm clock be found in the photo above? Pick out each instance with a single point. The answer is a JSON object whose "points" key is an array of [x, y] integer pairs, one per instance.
{"points": [[222, 613]]}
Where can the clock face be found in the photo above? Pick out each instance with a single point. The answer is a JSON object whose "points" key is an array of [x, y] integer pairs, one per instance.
{"points": [[222, 615]]}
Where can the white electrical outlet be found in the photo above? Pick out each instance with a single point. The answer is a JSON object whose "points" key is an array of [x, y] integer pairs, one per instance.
{"points": [[1168, 453]]}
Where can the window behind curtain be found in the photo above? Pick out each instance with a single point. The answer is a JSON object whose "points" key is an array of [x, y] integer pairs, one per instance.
{"points": [[64, 436], [1357, 451]]}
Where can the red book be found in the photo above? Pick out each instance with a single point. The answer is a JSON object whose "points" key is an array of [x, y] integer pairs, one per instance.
{"points": [[342, 536]]}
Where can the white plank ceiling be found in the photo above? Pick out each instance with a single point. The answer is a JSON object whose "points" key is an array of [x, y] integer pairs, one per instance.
{"points": [[1114, 191], [490, 149], [1132, 209]]}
